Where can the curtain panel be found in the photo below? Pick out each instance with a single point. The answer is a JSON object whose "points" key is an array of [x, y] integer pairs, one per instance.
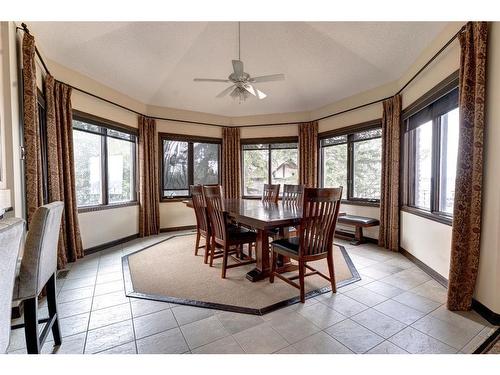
{"points": [[61, 168], [32, 147], [149, 193], [389, 195], [466, 230], [308, 154], [231, 162]]}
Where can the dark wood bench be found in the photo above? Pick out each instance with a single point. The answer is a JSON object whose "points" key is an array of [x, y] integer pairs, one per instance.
{"points": [[358, 222]]}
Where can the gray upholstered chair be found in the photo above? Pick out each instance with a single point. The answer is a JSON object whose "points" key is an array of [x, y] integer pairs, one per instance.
{"points": [[38, 269], [11, 233]]}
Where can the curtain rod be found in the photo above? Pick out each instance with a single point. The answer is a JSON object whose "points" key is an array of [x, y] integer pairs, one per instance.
{"points": [[25, 29]]}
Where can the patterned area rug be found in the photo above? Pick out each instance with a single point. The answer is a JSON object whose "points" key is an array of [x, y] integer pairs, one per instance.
{"points": [[169, 271]]}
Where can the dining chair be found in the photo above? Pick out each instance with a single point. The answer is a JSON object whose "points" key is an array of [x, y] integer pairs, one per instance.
{"points": [[202, 223], [38, 270], [270, 193], [292, 194], [229, 237], [320, 210], [11, 233]]}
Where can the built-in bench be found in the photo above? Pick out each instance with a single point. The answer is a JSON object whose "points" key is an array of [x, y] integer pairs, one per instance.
{"points": [[358, 222]]}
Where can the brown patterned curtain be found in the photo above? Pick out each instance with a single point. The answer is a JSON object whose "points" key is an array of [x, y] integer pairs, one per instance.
{"points": [[231, 167], [61, 167], [389, 196], [466, 231], [149, 195], [33, 156], [308, 154]]}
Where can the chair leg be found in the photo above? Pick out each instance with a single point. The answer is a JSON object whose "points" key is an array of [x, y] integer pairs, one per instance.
{"points": [[250, 246], [302, 272], [31, 325], [197, 245], [52, 305], [207, 249], [212, 252], [224, 261], [273, 267], [331, 269]]}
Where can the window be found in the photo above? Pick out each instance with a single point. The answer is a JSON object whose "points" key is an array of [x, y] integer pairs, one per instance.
{"points": [[353, 161], [430, 149], [105, 162], [188, 161], [269, 163]]}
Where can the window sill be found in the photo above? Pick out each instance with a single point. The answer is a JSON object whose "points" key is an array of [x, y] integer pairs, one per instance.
{"points": [[360, 203], [440, 218], [82, 210], [176, 199]]}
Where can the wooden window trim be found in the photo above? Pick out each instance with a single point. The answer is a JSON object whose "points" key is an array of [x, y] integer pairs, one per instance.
{"points": [[267, 141], [190, 139], [348, 131], [407, 175], [112, 125]]}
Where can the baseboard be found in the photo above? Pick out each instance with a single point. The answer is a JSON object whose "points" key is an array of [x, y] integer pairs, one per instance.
{"points": [[424, 267], [346, 235], [175, 229], [109, 244], [485, 312]]}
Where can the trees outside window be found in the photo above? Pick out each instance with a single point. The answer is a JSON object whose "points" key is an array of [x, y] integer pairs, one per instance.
{"points": [[188, 161], [268, 163], [430, 157], [353, 161], [105, 163]]}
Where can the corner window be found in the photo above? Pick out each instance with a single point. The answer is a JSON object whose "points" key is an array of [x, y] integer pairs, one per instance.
{"points": [[268, 163], [105, 163], [353, 160], [430, 149], [188, 161]]}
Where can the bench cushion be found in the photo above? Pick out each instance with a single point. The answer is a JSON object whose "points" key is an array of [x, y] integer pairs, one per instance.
{"points": [[358, 220]]}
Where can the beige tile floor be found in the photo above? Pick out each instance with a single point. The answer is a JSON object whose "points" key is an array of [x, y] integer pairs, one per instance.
{"points": [[395, 308]]}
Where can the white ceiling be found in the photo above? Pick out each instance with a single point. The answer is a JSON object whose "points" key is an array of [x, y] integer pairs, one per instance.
{"points": [[155, 62]]}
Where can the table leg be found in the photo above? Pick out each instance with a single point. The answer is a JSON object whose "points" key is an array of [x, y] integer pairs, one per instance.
{"points": [[261, 271]]}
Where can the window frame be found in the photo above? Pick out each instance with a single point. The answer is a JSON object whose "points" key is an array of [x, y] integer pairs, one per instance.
{"points": [[269, 142], [348, 131], [106, 124], [407, 182], [190, 139]]}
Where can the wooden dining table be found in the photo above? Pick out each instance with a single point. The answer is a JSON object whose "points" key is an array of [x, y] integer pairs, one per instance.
{"points": [[262, 217]]}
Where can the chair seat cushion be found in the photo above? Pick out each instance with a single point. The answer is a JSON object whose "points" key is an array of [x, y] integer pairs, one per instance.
{"points": [[240, 234], [358, 220], [290, 245]]}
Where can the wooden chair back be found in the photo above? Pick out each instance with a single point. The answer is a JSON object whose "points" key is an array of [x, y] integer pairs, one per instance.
{"points": [[292, 194], [320, 210], [200, 209], [270, 193], [215, 209]]}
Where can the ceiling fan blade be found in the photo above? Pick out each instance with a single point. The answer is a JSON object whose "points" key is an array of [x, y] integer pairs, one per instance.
{"points": [[238, 67], [250, 89], [225, 92], [260, 94], [269, 78], [255, 92], [210, 80]]}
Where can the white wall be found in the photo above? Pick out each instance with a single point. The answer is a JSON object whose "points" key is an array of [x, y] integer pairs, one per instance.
{"points": [[427, 240]]}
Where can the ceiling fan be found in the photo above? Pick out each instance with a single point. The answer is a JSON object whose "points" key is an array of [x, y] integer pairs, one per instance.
{"points": [[242, 82]]}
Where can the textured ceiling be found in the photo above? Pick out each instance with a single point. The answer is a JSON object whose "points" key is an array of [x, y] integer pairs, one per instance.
{"points": [[155, 62]]}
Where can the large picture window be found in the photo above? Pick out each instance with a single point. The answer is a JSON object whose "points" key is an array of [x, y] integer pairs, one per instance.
{"points": [[105, 162], [268, 162], [353, 160], [430, 153], [188, 161]]}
